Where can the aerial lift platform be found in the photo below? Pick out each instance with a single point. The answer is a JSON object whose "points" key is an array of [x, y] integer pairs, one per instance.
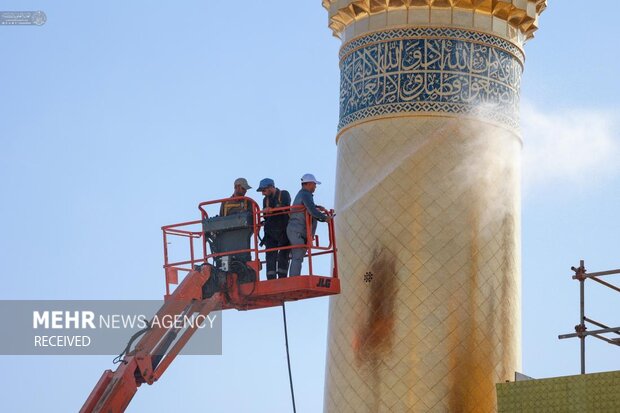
{"points": [[225, 274]]}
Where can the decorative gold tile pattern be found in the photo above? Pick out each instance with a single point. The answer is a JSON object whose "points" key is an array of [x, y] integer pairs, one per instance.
{"points": [[430, 207], [589, 393]]}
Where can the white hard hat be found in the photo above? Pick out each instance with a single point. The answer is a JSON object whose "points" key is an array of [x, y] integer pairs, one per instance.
{"points": [[309, 178]]}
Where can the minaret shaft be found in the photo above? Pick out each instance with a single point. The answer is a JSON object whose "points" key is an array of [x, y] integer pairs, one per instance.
{"points": [[428, 203]]}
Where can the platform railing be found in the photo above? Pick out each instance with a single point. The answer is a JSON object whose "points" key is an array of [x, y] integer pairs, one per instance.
{"points": [[192, 230]]}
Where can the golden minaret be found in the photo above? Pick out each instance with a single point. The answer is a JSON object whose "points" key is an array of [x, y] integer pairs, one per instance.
{"points": [[428, 203]]}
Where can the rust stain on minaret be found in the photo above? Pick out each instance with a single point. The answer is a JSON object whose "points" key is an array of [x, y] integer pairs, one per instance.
{"points": [[374, 330]]}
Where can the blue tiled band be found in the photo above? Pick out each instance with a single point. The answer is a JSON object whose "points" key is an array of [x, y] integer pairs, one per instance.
{"points": [[430, 70]]}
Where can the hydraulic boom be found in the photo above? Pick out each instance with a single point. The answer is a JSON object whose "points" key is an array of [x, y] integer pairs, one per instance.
{"points": [[152, 355]]}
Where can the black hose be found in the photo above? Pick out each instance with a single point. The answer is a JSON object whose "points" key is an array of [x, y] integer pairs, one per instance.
{"points": [[119, 358], [288, 358]]}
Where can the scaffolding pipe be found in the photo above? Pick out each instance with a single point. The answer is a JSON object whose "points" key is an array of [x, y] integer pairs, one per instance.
{"points": [[581, 328]]}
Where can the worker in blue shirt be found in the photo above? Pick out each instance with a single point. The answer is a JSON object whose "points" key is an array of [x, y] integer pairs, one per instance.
{"points": [[296, 229], [274, 232]]}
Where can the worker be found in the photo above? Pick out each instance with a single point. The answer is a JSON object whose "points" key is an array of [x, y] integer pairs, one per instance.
{"points": [[238, 206], [274, 233], [296, 229], [238, 239]]}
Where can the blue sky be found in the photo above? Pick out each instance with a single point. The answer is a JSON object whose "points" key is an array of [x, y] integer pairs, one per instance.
{"points": [[119, 117]]}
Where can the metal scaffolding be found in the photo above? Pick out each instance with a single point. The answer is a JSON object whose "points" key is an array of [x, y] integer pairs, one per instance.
{"points": [[581, 329]]}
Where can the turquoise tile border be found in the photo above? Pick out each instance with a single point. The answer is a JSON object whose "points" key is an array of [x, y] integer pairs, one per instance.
{"points": [[430, 70]]}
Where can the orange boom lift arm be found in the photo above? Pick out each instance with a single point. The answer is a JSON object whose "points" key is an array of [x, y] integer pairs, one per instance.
{"points": [[219, 278]]}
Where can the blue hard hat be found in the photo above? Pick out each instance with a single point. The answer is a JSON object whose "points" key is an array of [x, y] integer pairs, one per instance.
{"points": [[265, 183]]}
